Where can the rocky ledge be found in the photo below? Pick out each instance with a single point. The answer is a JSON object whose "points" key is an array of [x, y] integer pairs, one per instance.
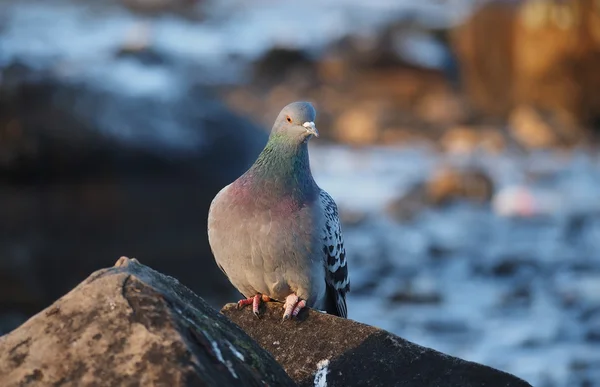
{"points": [[324, 350], [130, 325]]}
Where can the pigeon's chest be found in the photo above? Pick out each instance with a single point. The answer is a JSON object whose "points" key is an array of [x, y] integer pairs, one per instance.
{"points": [[265, 224], [284, 217], [268, 245]]}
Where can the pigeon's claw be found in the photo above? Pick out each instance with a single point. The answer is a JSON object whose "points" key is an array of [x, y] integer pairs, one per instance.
{"points": [[256, 305], [293, 305], [301, 304], [255, 301], [244, 302]]}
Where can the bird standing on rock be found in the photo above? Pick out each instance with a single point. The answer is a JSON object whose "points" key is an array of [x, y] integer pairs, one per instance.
{"points": [[275, 233]]}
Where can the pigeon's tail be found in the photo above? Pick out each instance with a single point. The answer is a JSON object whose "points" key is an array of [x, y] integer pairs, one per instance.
{"points": [[335, 303]]}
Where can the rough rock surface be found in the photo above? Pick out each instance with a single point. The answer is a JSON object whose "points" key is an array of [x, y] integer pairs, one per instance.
{"points": [[320, 349], [129, 326]]}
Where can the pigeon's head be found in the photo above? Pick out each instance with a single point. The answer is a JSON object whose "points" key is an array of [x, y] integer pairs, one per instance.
{"points": [[297, 122]]}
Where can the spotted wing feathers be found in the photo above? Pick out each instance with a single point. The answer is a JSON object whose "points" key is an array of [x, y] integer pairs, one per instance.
{"points": [[336, 268]]}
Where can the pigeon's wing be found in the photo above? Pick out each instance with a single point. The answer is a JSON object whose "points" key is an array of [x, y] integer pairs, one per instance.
{"points": [[336, 268]]}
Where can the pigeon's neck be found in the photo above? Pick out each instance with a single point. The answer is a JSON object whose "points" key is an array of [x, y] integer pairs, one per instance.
{"points": [[283, 167]]}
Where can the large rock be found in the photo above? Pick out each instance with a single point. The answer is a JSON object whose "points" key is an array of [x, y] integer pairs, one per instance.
{"points": [[539, 53], [324, 350], [446, 185], [129, 326], [89, 172], [486, 70]]}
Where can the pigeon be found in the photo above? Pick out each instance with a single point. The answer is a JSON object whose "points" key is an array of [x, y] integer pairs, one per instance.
{"points": [[274, 233]]}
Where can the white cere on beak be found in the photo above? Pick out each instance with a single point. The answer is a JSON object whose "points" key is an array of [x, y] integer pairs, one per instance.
{"points": [[311, 128]]}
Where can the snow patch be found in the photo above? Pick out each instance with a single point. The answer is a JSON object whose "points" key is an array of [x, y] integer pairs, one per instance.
{"points": [[321, 375], [220, 357], [235, 351]]}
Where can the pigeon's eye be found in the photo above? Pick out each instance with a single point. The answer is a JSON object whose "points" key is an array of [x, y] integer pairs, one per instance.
{"points": [[289, 119]]}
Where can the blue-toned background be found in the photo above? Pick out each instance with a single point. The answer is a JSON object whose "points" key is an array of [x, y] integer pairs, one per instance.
{"points": [[460, 143]]}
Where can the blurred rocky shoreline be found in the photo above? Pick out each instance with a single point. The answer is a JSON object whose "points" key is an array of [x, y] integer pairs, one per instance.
{"points": [[472, 136], [513, 74]]}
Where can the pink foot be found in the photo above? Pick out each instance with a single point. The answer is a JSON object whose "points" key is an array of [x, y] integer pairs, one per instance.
{"points": [[255, 301], [293, 306]]}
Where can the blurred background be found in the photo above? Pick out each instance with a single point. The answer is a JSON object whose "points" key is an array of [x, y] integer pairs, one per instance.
{"points": [[459, 139]]}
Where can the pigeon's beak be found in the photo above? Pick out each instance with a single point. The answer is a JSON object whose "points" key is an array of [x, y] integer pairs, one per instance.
{"points": [[311, 128]]}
